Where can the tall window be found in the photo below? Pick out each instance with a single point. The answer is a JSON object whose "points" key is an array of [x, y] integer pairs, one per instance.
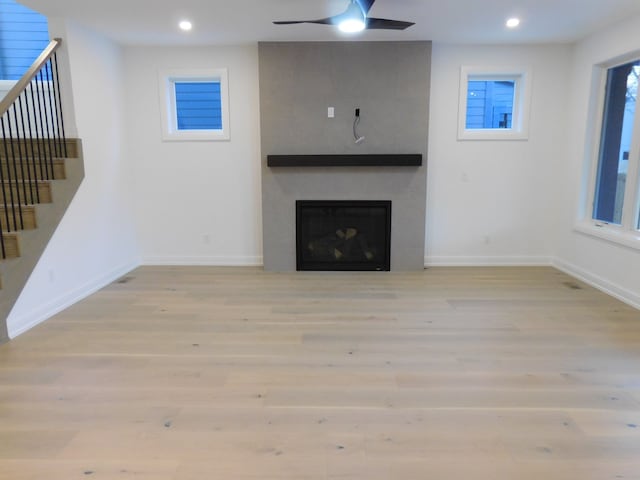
{"points": [[616, 198]]}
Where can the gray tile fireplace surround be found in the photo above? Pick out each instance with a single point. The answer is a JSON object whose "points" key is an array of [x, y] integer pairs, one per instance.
{"points": [[404, 186], [389, 82]]}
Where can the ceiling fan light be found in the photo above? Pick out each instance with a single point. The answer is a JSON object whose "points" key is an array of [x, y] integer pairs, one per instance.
{"points": [[185, 25], [351, 25], [353, 20]]}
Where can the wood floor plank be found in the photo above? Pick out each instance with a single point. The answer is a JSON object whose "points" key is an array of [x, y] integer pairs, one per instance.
{"points": [[185, 373], [156, 469]]}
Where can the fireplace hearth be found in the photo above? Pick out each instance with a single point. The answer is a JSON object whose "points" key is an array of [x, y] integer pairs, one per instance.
{"points": [[352, 235]]}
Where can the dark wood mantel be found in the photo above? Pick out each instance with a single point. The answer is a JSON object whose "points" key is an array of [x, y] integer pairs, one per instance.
{"points": [[363, 160]]}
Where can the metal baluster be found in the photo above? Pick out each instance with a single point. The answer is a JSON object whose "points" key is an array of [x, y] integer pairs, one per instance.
{"points": [[15, 202], [24, 154], [20, 157], [51, 112], [32, 157], [54, 114], [7, 206], [59, 104], [45, 124], [56, 110], [38, 142]]}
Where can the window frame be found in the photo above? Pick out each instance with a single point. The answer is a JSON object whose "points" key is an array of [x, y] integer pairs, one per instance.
{"points": [[168, 110], [521, 76], [627, 233]]}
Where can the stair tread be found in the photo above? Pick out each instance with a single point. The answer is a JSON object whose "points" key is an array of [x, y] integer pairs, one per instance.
{"points": [[37, 159], [26, 180]]}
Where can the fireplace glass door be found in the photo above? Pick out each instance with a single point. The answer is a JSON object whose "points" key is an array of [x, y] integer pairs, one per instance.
{"points": [[343, 235]]}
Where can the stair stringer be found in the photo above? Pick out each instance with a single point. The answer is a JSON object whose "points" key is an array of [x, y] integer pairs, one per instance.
{"points": [[15, 272]]}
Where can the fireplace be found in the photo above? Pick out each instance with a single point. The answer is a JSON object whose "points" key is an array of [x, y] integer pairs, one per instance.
{"points": [[343, 235]]}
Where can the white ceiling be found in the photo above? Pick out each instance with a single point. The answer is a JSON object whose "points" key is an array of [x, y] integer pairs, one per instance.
{"points": [[154, 22]]}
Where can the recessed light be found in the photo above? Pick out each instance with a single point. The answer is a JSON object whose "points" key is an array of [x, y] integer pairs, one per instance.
{"points": [[185, 25], [513, 22]]}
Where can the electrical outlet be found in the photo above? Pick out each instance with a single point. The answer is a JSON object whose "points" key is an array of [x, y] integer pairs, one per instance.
{"points": [[331, 112]]}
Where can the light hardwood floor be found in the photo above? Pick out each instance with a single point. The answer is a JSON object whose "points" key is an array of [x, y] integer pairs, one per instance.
{"points": [[213, 373]]}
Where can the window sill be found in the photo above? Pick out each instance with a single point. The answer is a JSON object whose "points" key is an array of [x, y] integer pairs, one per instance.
{"points": [[196, 136], [492, 134], [610, 233]]}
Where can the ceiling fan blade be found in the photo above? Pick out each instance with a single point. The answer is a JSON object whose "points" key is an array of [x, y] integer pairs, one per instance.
{"points": [[321, 21], [366, 5], [385, 24], [336, 19], [371, 23]]}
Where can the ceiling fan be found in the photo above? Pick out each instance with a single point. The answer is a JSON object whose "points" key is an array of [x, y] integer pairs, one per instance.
{"points": [[355, 19]]}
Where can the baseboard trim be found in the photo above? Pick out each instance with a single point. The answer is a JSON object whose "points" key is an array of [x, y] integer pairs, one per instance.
{"points": [[217, 261], [498, 261], [598, 282], [42, 313]]}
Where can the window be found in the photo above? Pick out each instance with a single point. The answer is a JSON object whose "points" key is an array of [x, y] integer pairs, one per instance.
{"points": [[614, 186], [612, 208], [494, 104], [24, 34], [198, 106], [194, 105], [490, 103]]}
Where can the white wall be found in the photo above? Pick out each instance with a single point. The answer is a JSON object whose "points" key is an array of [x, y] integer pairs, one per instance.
{"points": [[493, 202], [196, 202], [610, 266], [5, 86], [489, 202], [95, 242]]}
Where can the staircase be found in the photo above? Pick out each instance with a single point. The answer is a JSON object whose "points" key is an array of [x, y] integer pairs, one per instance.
{"points": [[40, 172]]}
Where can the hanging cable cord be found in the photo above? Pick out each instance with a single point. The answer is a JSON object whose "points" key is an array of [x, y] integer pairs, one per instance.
{"points": [[356, 122]]}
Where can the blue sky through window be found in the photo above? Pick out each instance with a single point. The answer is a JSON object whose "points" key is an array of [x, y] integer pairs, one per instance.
{"points": [[198, 106]]}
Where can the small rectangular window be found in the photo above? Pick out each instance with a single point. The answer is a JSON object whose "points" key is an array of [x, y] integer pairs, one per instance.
{"points": [[198, 105], [490, 103], [494, 104], [194, 105]]}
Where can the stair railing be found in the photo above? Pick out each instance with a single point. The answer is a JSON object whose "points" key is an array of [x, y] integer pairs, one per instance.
{"points": [[32, 129]]}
